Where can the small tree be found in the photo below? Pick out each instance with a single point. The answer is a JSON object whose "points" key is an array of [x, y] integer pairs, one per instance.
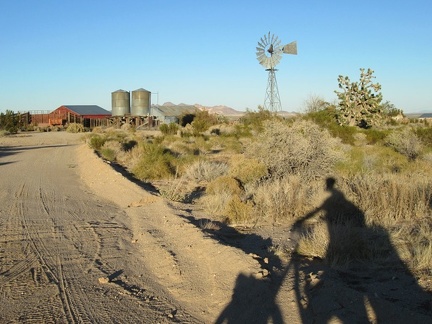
{"points": [[10, 121], [202, 121], [359, 102], [390, 109]]}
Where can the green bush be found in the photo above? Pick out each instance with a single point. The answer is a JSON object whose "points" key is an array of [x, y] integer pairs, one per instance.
{"points": [[374, 136], [97, 141], [108, 154], [154, 162], [425, 135], [254, 120], [326, 118]]}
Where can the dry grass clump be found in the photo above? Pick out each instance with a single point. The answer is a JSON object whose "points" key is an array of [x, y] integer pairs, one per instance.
{"points": [[338, 245], [300, 148], [203, 170], [223, 200], [283, 200], [413, 241], [388, 198], [75, 128]]}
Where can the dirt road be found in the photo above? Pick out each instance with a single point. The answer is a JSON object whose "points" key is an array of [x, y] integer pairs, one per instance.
{"points": [[80, 243], [58, 239]]}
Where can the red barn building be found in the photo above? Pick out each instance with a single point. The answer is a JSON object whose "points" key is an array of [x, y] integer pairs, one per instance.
{"points": [[88, 115]]}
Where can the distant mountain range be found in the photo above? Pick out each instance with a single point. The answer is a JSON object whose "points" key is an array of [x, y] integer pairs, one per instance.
{"points": [[222, 110]]}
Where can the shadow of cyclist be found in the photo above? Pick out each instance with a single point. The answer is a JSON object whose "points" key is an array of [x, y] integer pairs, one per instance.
{"points": [[386, 291]]}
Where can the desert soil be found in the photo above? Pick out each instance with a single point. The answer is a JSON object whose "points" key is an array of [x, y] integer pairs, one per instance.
{"points": [[81, 242]]}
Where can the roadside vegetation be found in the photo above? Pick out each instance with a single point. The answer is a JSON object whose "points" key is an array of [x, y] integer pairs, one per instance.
{"points": [[264, 169]]}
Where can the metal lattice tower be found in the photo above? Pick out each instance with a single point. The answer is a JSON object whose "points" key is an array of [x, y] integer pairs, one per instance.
{"points": [[272, 100], [269, 53]]}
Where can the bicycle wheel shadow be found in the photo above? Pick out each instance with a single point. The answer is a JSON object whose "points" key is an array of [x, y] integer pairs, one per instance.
{"points": [[254, 295]]}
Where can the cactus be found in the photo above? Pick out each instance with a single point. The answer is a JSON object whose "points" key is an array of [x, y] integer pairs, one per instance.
{"points": [[359, 102]]}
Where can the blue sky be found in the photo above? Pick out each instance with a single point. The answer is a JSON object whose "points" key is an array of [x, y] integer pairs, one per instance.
{"points": [[79, 51]]}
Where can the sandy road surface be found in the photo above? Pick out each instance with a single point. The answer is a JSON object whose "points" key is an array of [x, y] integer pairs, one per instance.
{"points": [[57, 239]]}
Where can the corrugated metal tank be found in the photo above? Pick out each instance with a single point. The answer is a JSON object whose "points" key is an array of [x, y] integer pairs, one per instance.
{"points": [[120, 103], [140, 102]]}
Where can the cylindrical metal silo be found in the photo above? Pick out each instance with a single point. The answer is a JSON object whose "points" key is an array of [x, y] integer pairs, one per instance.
{"points": [[141, 101], [120, 103]]}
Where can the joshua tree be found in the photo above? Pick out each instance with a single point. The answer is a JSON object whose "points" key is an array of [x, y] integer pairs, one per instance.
{"points": [[359, 102]]}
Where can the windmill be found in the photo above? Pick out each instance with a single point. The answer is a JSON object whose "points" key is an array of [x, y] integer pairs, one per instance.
{"points": [[269, 53]]}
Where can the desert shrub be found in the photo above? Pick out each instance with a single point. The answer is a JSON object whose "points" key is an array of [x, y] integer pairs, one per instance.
{"points": [[406, 142], [3, 133], [110, 150], [371, 159], [301, 148], [254, 121], [154, 162], [226, 143], [224, 200], [202, 121], [97, 141], [97, 129], [203, 170], [315, 103], [75, 128], [425, 135], [108, 154], [374, 135], [169, 129], [246, 170], [225, 184], [183, 147], [238, 211]]}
